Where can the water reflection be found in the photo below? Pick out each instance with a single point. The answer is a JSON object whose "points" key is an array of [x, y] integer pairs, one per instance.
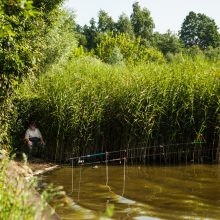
{"points": [[183, 192]]}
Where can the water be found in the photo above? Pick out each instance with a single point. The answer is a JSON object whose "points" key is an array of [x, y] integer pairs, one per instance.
{"points": [[182, 192]]}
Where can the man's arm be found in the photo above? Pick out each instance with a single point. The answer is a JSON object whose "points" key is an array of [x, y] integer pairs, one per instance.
{"points": [[27, 138]]}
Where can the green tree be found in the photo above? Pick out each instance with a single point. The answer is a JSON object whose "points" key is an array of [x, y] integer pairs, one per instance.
{"points": [[167, 43], [80, 36], [124, 25], [24, 43], [142, 22], [60, 38], [105, 22], [90, 32], [199, 30], [16, 52], [46, 5]]}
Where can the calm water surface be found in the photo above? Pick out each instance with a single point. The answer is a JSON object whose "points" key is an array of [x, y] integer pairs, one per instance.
{"points": [[183, 192]]}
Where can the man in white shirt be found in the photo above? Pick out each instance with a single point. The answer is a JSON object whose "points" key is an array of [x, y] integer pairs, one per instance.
{"points": [[34, 138]]}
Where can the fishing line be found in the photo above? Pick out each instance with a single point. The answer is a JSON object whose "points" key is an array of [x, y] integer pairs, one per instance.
{"points": [[107, 172], [106, 168], [130, 156], [80, 178], [72, 177], [124, 179]]}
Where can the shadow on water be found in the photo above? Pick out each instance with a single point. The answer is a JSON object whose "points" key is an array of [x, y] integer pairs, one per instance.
{"points": [[148, 192]]}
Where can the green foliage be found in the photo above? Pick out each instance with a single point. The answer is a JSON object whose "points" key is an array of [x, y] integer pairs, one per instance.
{"points": [[31, 38], [194, 52], [199, 30], [140, 26], [198, 33], [213, 53], [60, 38], [115, 57], [18, 198], [85, 105], [124, 25], [24, 25], [105, 22], [109, 212], [83, 102], [6, 116], [131, 49], [16, 53], [142, 22], [90, 33], [167, 43], [47, 5], [79, 52], [15, 194], [80, 36]]}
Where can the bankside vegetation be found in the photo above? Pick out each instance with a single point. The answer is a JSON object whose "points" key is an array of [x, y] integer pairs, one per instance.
{"points": [[15, 194], [26, 39], [109, 84], [85, 104]]}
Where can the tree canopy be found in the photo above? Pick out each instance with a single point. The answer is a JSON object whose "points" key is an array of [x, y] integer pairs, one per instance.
{"points": [[142, 22], [199, 30], [167, 43], [105, 22], [24, 44], [124, 25]]}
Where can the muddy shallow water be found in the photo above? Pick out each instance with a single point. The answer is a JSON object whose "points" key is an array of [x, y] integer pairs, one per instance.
{"points": [[153, 192]]}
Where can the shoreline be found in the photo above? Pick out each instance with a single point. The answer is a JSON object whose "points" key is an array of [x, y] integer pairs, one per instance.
{"points": [[36, 167], [25, 171]]}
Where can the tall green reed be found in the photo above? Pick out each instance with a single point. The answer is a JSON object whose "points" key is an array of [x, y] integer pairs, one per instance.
{"points": [[86, 106]]}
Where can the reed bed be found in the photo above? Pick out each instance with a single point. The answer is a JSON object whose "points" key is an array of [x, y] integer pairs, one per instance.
{"points": [[86, 106]]}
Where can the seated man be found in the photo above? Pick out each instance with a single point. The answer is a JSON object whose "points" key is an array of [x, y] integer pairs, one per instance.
{"points": [[34, 139]]}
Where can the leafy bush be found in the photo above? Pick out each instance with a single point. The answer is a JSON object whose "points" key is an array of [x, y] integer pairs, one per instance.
{"points": [[33, 35], [131, 49], [213, 53], [115, 57]]}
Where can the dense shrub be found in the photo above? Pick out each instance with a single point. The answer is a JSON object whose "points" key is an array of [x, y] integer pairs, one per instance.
{"points": [[132, 51]]}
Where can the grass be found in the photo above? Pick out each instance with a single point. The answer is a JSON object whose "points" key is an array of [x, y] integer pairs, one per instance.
{"points": [[15, 194], [18, 196], [85, 105]]}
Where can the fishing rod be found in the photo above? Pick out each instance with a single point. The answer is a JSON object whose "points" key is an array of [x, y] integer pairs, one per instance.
{"points": [[103, 161], [136, 157], [96, 154], [130, 149]]}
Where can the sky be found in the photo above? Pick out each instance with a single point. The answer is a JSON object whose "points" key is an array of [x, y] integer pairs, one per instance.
{"points": [[167, 14]]}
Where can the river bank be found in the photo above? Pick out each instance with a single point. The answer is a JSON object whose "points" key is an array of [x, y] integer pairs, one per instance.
{"points": [[37, 166], [19, 197]]}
